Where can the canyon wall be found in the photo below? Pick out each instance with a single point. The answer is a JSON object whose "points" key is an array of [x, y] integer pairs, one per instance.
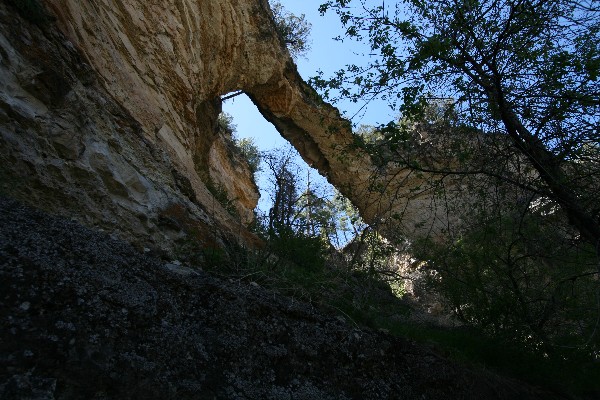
{"points": [[83, 132], [109, 114]]}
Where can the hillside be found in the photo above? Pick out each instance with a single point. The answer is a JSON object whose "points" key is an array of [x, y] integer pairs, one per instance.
{"points": [[87, 316]]}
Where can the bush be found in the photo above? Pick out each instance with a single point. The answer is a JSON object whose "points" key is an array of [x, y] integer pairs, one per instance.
{"points": [[245, 146], [220, 194], [304, 250], [294, 31], [225, 123], [520, 279], [248, 149]]}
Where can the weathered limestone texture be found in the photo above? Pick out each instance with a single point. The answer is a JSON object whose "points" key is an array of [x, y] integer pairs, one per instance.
{"points": [[166, 63], [104, 146], [225, 164], [109, 113]]}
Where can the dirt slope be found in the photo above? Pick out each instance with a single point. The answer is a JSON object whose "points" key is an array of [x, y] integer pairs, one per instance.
{"points": [[86, 316]]}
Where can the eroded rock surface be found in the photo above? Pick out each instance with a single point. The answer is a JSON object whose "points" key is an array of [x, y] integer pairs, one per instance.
{"points": [[109, 113], [83, 315], [74, 144], [230, 172]]}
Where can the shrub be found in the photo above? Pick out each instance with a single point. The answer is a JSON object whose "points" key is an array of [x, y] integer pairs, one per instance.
{"points": [[304, 250], [518, 279], [248, 149], [225, 123], [220, 194], [294, 31]]}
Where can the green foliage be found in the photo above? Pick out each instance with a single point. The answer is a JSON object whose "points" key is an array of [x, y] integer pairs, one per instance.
{"points": [[316, 215], [526, 71], [32, 10], [284, 229], [498, 106], [306, 251], [248, 149], [576, 373], [316, 211], [293, 30], [214, 258], [370, 252], [225, 123], [307, 269], [519, 279]]}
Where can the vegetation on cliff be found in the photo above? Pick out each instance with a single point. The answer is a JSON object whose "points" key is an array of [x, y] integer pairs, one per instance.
{"points": [[498, 104], [294, 30]]}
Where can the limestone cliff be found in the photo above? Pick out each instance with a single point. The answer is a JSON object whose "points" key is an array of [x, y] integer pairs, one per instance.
{"points": [[106, 145], [231, 176], [109, 114]]}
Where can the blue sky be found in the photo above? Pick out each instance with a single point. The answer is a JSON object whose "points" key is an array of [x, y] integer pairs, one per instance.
{"points": [[327, 55]]}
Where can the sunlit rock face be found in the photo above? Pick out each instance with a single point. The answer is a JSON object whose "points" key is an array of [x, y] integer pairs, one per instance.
{"points": [[168, 62], [231, 176], [109, 114]]}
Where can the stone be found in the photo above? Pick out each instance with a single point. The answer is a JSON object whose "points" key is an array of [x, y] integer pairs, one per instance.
{"points": [[186, 337], [101, 145], [110, 114], [180, 270]]}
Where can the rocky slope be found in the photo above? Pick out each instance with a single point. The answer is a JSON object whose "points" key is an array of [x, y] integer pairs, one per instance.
{"points": [[84, 315]]}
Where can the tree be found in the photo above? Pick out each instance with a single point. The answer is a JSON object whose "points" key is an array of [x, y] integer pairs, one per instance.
{"points": [[308, 213], [315, 214], [247, 147], [525, 71], [294, 30], [499, 105], [282, 215], [284, 228]]}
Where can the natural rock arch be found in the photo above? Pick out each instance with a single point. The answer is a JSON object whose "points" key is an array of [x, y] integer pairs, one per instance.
{"points": [[164, 66]]}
